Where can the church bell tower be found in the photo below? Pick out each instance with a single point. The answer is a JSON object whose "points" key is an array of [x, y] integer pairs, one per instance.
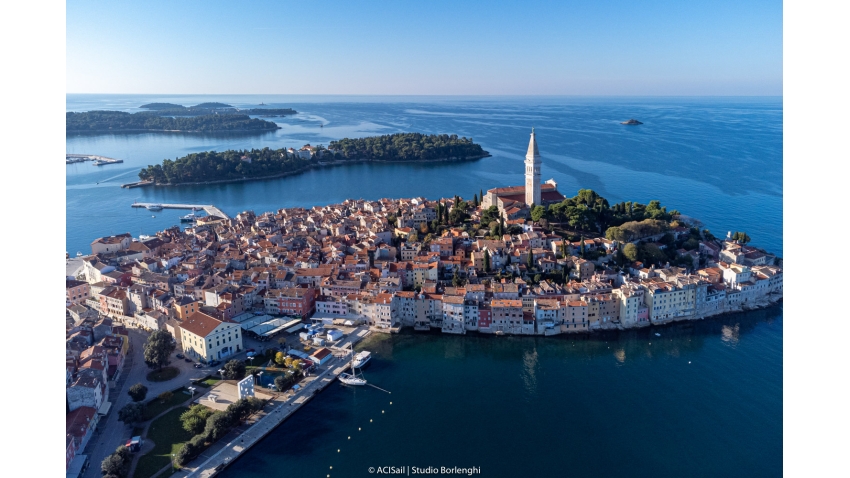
{"points": [[532, 172]]}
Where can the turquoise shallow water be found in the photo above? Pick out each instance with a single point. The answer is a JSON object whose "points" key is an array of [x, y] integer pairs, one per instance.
{"points": [[512, 406]]}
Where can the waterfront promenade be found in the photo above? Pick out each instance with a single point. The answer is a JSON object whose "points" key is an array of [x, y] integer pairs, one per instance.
{"points": [[216, 458]]}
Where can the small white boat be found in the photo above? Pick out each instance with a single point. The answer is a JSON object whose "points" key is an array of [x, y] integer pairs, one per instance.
{"points": [[657, 334], [361, 358], [79, 254], [154, 207]]}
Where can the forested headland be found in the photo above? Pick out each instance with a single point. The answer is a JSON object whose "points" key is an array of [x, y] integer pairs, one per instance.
{"points": [[201, 118], [119, 121], [232, 165]]}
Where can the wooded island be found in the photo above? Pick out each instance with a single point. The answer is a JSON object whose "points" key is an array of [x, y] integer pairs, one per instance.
{"points": [[233, 165]]}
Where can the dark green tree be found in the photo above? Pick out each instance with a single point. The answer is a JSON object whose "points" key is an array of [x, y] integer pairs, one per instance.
{"points": [[486, 261], [234, 370], [218, 424], [741, 237], [537, 213], [158, 349], [138, 392], [631, 252], [529, 260], [112, 465], [131, 413]]}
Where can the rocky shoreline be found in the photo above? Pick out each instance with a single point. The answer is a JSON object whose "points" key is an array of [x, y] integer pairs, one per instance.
{"points": [[326, 164]]}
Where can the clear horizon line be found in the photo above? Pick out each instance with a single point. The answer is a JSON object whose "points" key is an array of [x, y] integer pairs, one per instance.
{"points": [[432, 95]]}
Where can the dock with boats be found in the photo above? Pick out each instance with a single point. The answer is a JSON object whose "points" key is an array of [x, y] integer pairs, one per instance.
{"points": [[208, 208], [96, 160], [277, 411]]}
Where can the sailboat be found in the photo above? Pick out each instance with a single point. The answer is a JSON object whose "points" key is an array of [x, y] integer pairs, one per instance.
{"points": [[352, 378]]}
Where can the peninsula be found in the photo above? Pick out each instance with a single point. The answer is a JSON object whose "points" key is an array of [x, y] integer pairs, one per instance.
{"points": [[266, 163], [514, 260]]}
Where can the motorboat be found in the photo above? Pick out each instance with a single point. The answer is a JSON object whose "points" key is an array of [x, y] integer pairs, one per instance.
{"points": [[191, 217], [154, 207], [361, 358]]}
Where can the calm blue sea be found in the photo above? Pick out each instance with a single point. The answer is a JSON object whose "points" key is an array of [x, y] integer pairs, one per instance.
{"points": [[699, 401]]}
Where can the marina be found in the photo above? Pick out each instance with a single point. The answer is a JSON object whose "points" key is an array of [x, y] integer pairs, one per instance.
{"points": [[208, 208], [96, 160], [281, 407]]}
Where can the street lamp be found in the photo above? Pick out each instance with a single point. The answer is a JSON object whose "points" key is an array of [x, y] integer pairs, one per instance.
{"points": [[221, 372], [259, 376]]}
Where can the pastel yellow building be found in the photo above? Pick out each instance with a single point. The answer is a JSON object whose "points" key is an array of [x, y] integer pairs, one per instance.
{"points": [[207, 338]]}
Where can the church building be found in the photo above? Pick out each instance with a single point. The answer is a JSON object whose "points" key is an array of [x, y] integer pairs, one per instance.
{"points": [[515, 201]]}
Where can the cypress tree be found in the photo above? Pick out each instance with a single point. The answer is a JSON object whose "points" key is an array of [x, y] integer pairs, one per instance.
{"points": [[486, 261], [529, 262]]}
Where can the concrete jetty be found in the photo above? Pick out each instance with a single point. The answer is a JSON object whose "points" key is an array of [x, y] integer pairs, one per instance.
{"points": [[278, 410], [208, 208], [98, 160]]}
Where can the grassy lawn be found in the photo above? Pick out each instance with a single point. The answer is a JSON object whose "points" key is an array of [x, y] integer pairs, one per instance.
{"points": [[167, 373], [208, 382], [168, 436], [155, 406]]}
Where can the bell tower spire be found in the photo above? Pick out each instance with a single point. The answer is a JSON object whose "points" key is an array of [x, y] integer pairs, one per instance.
{"points": [[532, 172]]}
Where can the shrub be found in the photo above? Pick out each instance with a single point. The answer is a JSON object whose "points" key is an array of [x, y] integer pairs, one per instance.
{"points": [[138, 392]]}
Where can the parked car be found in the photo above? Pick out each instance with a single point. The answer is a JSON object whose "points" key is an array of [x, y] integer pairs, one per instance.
{"points": [[250, 350], [180, 356], [214, 363], [197, 365], [188, 359]]}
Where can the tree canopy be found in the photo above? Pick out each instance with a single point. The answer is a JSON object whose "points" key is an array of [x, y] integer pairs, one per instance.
{"points": [[158, 349], [234, 370], [407, 147], [117, 121], [137, 392]]}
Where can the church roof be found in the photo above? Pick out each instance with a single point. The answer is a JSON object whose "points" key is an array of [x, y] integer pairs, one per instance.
{"points": [[520, 189]]}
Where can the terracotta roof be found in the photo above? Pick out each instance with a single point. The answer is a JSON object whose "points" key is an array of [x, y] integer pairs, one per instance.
{"points": [[200, 324]]}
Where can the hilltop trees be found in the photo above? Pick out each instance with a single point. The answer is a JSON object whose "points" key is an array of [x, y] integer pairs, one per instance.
{"points": [[406, 147], [92, 121], [741, 237]]}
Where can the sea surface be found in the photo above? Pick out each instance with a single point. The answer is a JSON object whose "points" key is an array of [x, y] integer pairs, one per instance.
{"points": [[704, 400]]}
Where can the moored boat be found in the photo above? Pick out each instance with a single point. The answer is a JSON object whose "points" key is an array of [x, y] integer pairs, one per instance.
{"points": [[361, 358], [154, 207]]}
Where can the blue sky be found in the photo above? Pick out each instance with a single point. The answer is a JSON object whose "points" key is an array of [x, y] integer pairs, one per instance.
{"points": [[425, 47]]}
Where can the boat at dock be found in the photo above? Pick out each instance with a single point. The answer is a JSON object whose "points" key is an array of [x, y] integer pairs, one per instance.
{"points": [[361, 358], [154, 207], [352, 378], [191, 217]]}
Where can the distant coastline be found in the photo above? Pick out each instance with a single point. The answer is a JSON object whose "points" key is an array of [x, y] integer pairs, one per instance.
{"points": [[324, 164]]}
